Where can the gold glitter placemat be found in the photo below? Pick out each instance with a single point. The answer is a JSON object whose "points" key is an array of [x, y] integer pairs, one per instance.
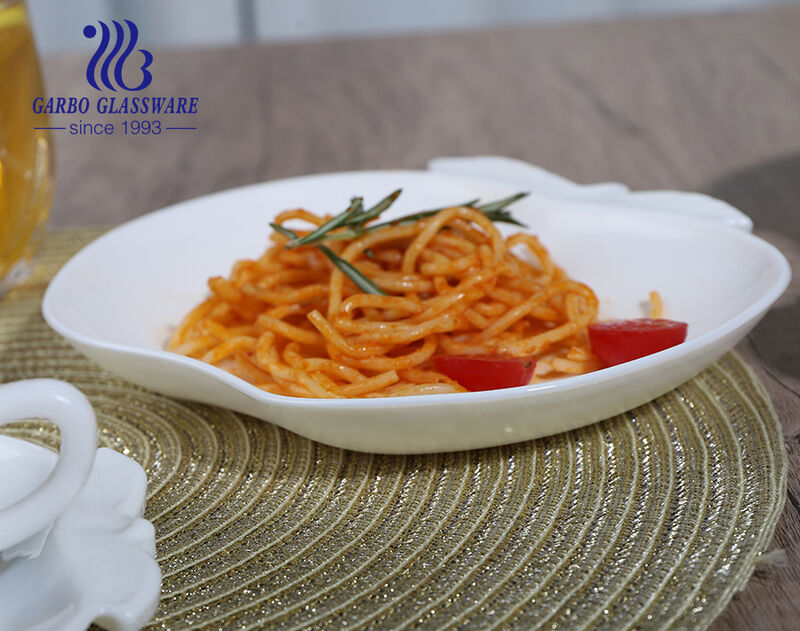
{"points": [[652, 519]]}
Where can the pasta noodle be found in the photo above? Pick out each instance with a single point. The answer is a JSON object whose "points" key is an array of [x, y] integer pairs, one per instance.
{"points": [[294, 323]]}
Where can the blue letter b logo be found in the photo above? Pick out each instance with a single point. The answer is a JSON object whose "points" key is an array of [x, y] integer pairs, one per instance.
{"points": [[119, 40]]}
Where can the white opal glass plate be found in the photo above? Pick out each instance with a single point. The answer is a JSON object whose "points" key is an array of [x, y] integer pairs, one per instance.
{"points": [[117, 300]]}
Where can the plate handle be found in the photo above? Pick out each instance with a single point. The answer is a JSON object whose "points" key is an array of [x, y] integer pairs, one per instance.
{"points": [[71, 412], [543, 182]]}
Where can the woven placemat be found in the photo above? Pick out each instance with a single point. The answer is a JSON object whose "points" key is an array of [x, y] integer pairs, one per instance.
{"points": [[651, 519]]}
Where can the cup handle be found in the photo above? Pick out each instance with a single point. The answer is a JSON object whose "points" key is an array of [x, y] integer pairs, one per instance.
{"points": [[66, 407]]}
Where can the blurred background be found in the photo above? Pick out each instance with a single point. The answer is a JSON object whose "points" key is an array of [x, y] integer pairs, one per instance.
{"points": [[688, 94], [212, 22]]}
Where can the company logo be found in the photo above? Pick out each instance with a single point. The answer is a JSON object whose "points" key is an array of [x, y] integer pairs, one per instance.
{"points": [[115, 62], [116, 58]]}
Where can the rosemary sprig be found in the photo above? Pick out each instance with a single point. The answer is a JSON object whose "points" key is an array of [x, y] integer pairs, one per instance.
{"points": [[502, 203], [375, 211], [349, 270], [354, 218], [494, 211]]}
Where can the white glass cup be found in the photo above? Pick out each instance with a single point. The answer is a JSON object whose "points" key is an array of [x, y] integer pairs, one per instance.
{"points": [[26, 513]]}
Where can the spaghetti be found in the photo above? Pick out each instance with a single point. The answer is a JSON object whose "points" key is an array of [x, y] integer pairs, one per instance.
{"points": [[363, 314]]}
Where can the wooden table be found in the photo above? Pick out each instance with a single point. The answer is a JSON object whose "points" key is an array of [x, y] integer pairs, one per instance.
{"points": [[710, 104]]}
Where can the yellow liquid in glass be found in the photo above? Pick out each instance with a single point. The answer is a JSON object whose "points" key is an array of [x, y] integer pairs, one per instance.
{"points": [[26, 164]]}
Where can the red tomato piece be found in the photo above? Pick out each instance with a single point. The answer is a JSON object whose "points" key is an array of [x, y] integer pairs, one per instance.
{"points": [[486, 372], [621, 341]]}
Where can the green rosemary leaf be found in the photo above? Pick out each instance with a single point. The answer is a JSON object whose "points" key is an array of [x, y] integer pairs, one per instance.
{"points": [[501, 216], [375, 211], [342, 235], [361, 281], [356, 208], [284, 231], [501, 203]]}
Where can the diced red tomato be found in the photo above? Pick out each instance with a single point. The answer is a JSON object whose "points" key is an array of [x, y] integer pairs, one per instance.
{"points": [[486, 372], [621, 341]]}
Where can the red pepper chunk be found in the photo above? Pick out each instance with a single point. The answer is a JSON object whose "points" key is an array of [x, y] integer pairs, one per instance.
{"points": [[621, 341], [485, 372]]}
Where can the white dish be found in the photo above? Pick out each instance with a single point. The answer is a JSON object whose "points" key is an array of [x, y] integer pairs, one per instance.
{"points": [[116, 300], [96, 564]]}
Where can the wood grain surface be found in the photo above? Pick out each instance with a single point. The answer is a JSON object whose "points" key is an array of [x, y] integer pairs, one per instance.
{"points": [[710, 104]]}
